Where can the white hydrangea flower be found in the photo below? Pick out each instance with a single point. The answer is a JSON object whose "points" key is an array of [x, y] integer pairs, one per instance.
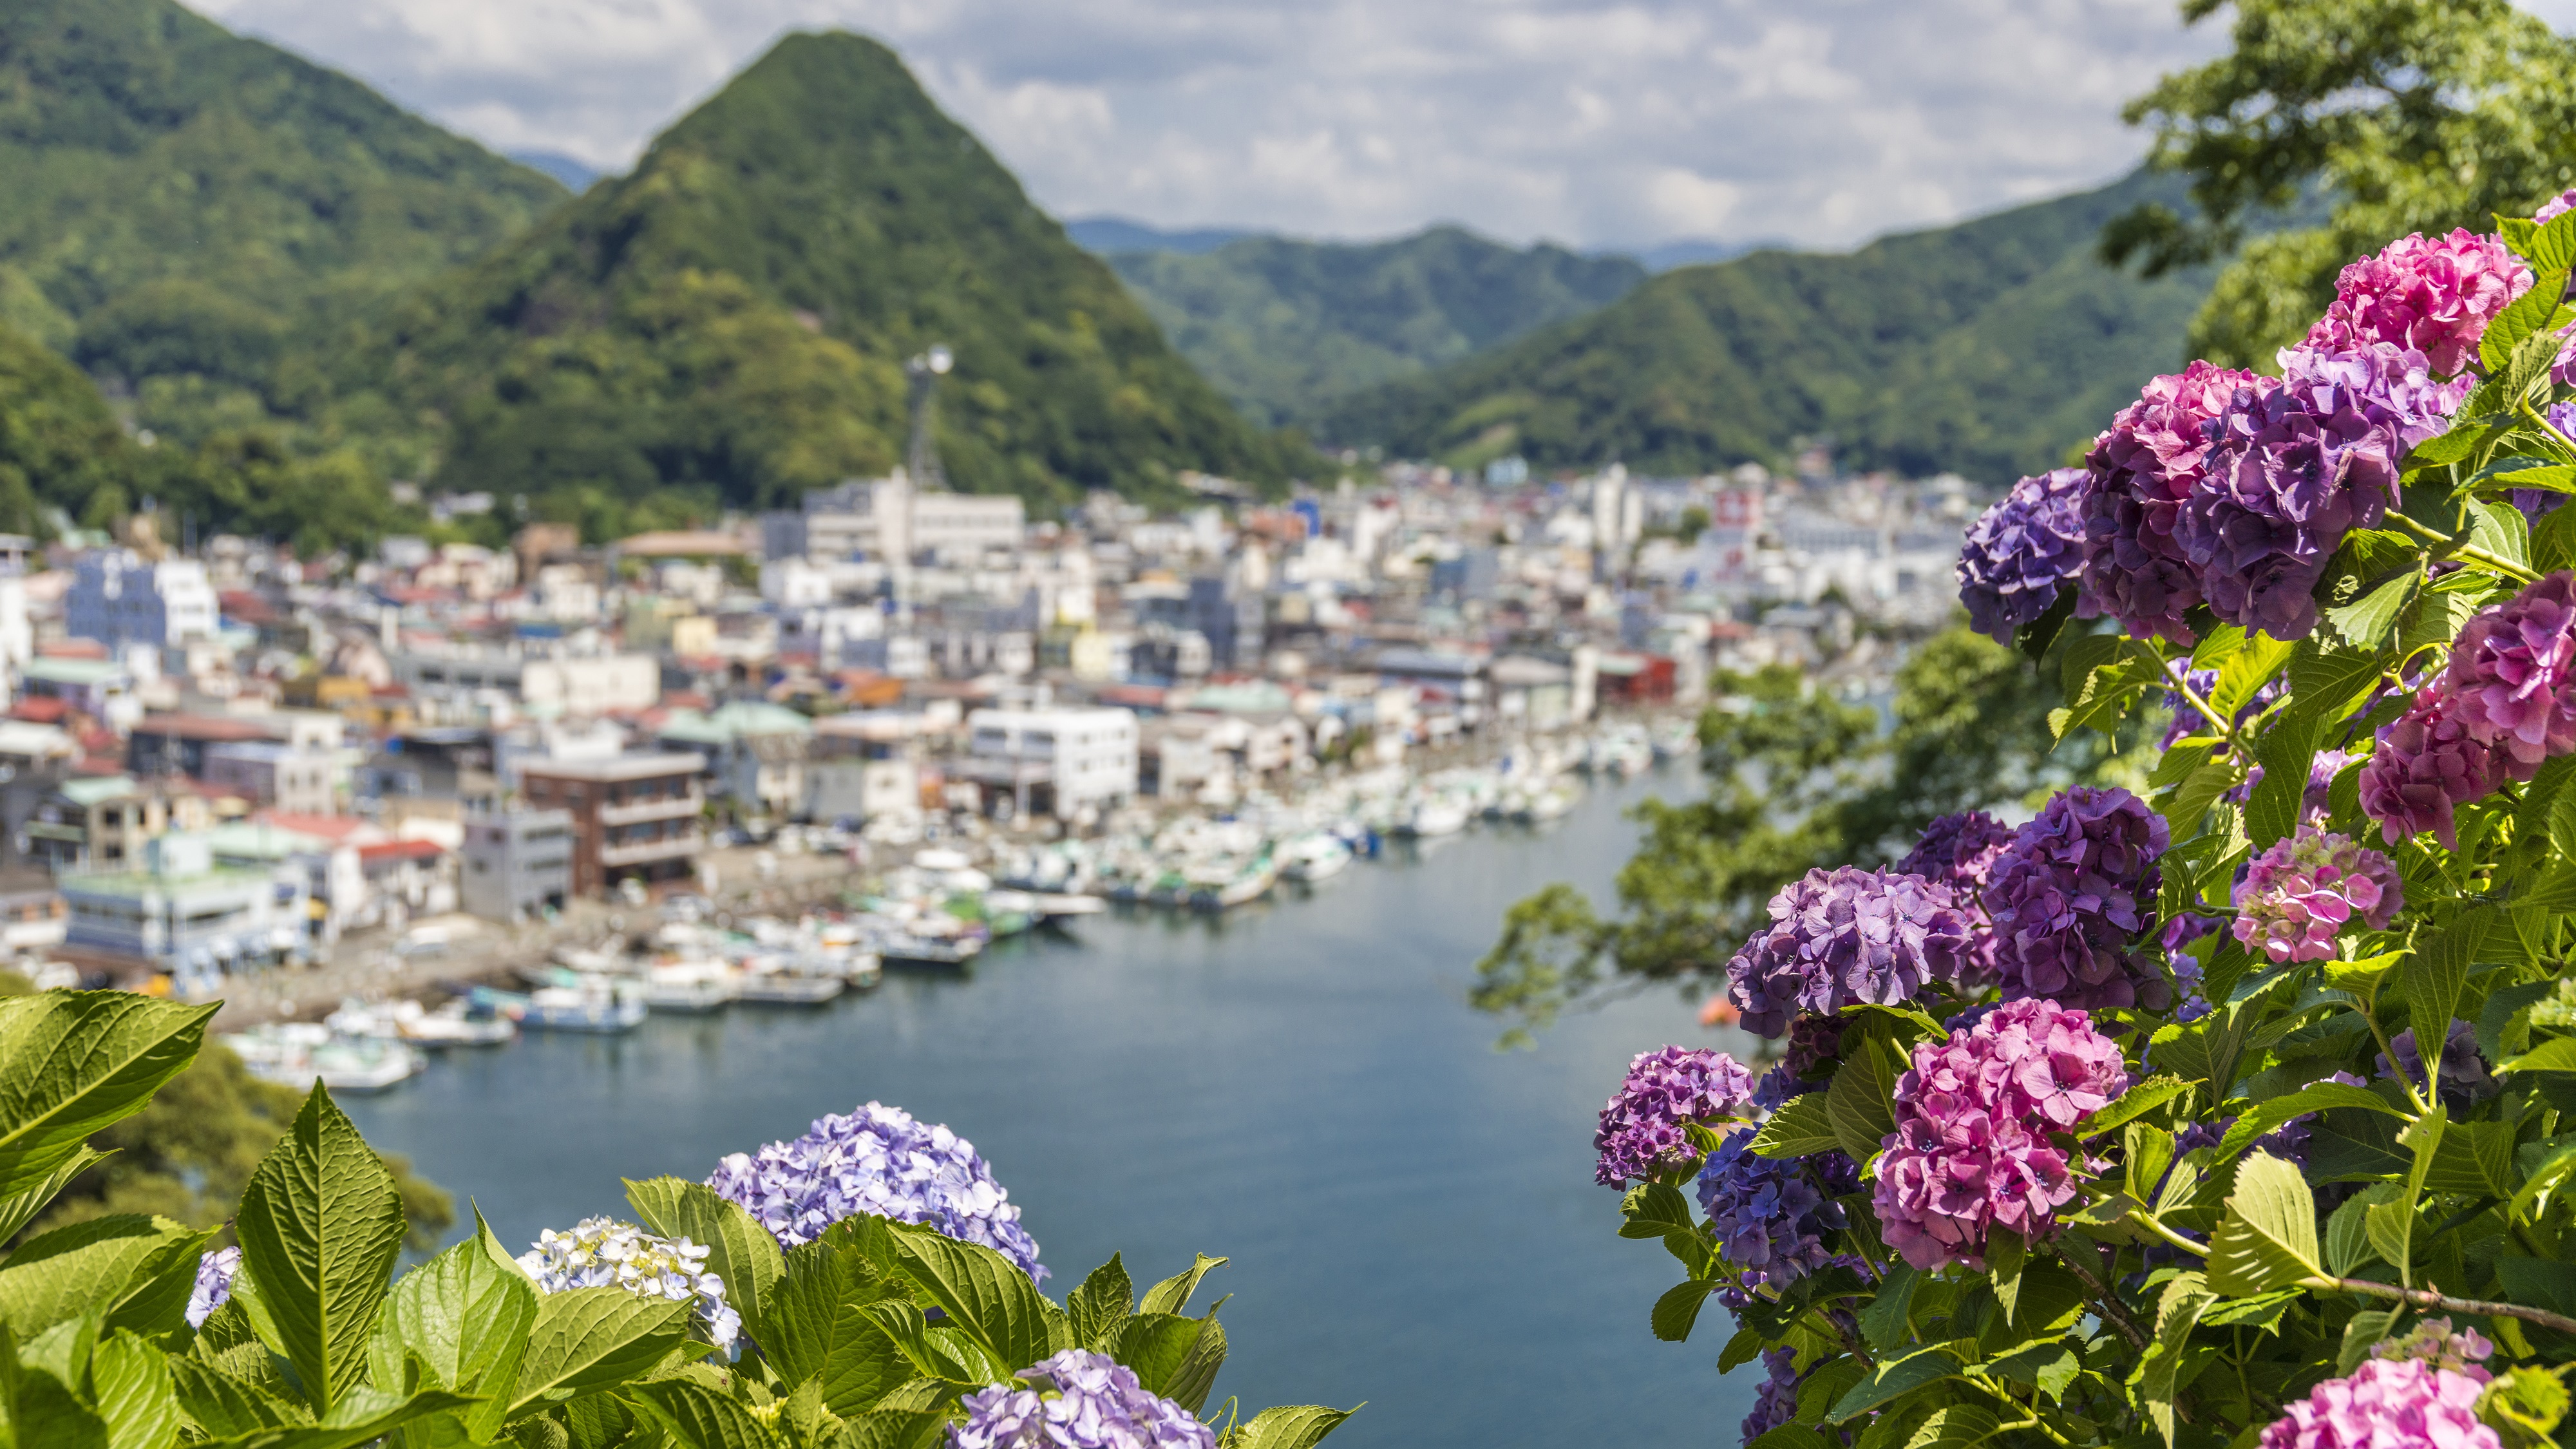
{"points": [[605, 1253]]}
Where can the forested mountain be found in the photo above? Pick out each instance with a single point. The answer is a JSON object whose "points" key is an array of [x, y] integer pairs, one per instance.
{"points": [[728, 323], [1283, 327], [1988, 347], [180, 207]]}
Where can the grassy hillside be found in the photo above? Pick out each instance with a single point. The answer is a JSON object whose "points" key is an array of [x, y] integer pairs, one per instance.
{"points": [[179, 205], [1988, 347], [727, 324], [1282, 326]]}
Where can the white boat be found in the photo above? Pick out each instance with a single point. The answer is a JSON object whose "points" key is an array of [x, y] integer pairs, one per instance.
{"points": [[1316, 855], [1052, 907], [1223, 885], [691, 987], [1540, 806], [782, 985], [593, 1006], [1433, 818], [407, 1021], [297, 1054]]}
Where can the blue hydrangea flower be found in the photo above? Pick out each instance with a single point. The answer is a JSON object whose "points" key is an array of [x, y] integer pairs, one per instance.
{"points": [[2022, 552], [1775, 1401], [1771, 1214], [882, 1162], [1077, 1400], [605, 1253], [214, 1284]]}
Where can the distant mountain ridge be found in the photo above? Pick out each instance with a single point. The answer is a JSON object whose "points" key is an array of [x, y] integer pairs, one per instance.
{"points": [[1988, 347], [1286, 327], [1107, 236]]}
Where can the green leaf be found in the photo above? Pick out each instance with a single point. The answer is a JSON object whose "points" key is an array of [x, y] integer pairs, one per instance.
{"points": [[2474, 1158], [361, 1417], [1173, 1294], [1823, 1385], [464, 1317], [1802, 1127], [2265, 1117], [320, 1227], [2431, 980], [2140, 1099], [894, 1429], [1105, 1300], [2177, 1314], [991, 1300], [1894, 1378], [1678, 1309], [1298, 1426], [2524, 1406], [1957, 1426], [130, 1388], [1652, 1209], [1859, 1102], [739, 1250], [2347, 1240], [1883, 1324], [80, 1062], [2004, 1253], [2553, 543], [2558, 1054], [2366, 622], [2245, 672], [1173, 1356], [2527, 314], [2530, 362], [588, 1339], [824, 1332], [227, 1407], [2367, 1327], [697, 1417], [2268, 1238], [20, 1209], [98, 1266]]}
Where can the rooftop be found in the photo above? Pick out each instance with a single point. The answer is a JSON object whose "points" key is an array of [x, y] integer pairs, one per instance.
{"points": [[622, 767], [79, 672]]}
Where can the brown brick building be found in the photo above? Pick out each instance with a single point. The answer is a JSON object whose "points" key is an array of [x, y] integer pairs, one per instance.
{"points": [[632, 815]]}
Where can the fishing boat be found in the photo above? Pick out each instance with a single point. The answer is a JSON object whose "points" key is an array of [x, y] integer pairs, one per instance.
{"points": [[1537, 807], [773, 982], [691, 988], [1314, 856], [595, 1005], [454, 1024], [900, 947], [1431, 819], [298, 1054], [1222, 885]]}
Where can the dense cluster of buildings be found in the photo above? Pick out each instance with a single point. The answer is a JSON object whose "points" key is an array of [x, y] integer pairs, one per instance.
{"points": [[231, 754]]}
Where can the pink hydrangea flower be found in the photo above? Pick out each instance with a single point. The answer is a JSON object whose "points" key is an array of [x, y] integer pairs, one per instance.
{"points": [[2142, 469], [2388, 1404], [1643, 1128], [2434, 294], [2513, 674], [2554, 208], [1971, 1150], [2433, 1342], [2426, 763], [2297, 895]]}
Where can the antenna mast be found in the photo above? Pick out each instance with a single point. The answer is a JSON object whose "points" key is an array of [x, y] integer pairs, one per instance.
{"points": [[922, 458]]}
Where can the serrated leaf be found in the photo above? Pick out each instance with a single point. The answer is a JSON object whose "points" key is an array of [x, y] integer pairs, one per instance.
{"points": [[2530, 361], [1883, 1324], [1173, 1294], [2266, 1117], [95, 1266], [2140, 1099], [226, 1407], [739, 1250], [130, 1387], [1104, 1300], [895, 1429], [588, 1339], [464, 1317], [2558, 1054], [1956, 1426], [1859, 1102], [1802, 1127], [20, 1209], [2365, 622], [80, 1062], [1894, 1378], [1299, 1426], [2177, 1314], [2525, 315], [2367, 1327], [362, 1416], [697, 1417], [2347, 1239], [1650, 1210], [992, 1301], [2004, 1253], [1679, 1308], [320, 1227], [825, 1332], [2246, 671], [2268, 1239], [1173, 1356]]}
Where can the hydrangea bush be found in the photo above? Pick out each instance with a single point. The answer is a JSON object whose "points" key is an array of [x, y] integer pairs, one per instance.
{"points": [[881, 1296], [2238, 1108]]}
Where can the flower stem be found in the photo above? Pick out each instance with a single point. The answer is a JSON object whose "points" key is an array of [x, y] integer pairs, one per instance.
{"points": [[2147, 1220], [2181, 679], [2427, 1298], [2451, 544], [2113, 1311], [2546, 426]]}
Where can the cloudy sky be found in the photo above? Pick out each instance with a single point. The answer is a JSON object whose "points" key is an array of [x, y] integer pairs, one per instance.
{"points": [[1597, 123]]}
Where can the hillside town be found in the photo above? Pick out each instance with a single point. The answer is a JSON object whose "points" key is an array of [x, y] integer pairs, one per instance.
{"points": [[224, 757]]}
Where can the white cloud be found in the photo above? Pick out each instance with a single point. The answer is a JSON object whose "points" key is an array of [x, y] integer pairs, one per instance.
{"points": [[1593, 122]]}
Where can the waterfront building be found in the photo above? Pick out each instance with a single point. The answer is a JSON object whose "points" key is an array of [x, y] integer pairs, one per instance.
{"points": [[634, 815], [174, 908], [517, 863], [119, 599], [755, 752], [1060, 762]]}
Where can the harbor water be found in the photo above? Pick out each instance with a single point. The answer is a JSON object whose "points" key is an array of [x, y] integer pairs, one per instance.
{"points": [[1298, 1085]]}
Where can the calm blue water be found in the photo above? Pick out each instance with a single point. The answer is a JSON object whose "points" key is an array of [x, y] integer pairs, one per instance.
{"points": [[1302, 1088]]}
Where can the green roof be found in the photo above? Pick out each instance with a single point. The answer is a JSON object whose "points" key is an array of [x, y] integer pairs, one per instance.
{"points": [[144, 882], [72, 671], [733, 721], [91, 789], [242, 840]]}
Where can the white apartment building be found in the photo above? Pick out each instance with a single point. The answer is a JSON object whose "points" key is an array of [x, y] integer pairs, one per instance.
{"points": [[581, 686], [118, 599], [889, 518], [1056, 761]]}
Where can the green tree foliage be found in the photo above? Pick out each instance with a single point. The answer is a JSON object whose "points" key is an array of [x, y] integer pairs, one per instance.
{"points": [[2410, 116], [1986, 347], [1797, 779], [190, 1154], [1285, 327], [59, 444], [732, 318]]}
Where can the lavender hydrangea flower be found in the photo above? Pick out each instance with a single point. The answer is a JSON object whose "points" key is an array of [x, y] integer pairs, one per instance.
{"points": [[2296, 463], [878, 1161], [1665, 1091], [1960, 851], [2433, 294], [2069, 895], [2427, 762], [2297, 896], [2464, 1081], [2142, 468], [2388, 1404], [1775, 1399], [1845, 936], [1078, 1400], [2512, 675], [2554, 208], [2021, 552], [1771, 1214], [1971, 1150], [214, 1286], [2538, 503], [2432, 1342], [605, 1253]]}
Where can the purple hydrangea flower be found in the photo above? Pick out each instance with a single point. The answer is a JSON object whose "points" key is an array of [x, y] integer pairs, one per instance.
{"points": [[1641, 1128], [2296, 897], [2176, 938], [2392, 386], [2433, 294], [2296, 464], [2464, 1081], [1960, 851], [2022, 551], [2316, 801], [214, 1286], [2554, 208], [2388, 1404], [2512, 675], [1845, 936], [881, 1162], [1971, 1150], [1775, 1400], [2426, 763], [2069, 895], [1771, 1214], [2432, 1342], [2142, 468], [1077, 1400]]}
